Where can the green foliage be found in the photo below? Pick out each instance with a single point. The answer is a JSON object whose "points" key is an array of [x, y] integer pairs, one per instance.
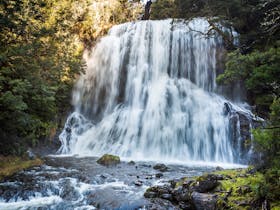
{"points": [[257, 22], [40, 57], [37, 58], [260, 72], [268, 139]]}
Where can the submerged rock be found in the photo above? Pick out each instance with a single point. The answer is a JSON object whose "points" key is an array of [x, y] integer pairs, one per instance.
{"points": [[109, 160], [160, 167]]}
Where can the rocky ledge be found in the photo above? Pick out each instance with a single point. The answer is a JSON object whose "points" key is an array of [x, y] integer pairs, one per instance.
{"points": [[227, 189]]}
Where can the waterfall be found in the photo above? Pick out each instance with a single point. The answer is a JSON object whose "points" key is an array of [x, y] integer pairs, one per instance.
{"points": [[148, 92]]}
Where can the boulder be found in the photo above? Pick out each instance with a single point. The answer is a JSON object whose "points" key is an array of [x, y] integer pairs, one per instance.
{"points": [[181, 194], [108, 160], [157, 191], [205, 183], [219, 168], [131, 162], [160, 167], [204, 201]]}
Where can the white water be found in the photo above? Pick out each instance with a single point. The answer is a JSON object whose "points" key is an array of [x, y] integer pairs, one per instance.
{"points": [[148, 92]]}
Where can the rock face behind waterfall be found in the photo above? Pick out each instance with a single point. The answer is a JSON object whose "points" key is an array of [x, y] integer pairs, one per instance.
{"points": [[240, 125], [149, 92]]}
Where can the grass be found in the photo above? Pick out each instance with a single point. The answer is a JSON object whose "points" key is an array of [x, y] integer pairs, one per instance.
{"points": [[11, 164]]}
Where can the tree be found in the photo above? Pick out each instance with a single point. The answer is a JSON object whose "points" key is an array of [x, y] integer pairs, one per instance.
{"points": [[259, 71]]}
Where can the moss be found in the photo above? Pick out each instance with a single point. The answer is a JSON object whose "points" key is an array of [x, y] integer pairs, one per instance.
{"points": [[108, 159], [11, 164], [239, 189], [275, 206]]}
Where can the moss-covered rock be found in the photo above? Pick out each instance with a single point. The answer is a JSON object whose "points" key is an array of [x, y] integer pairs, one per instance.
{"points": [[109, 160], [227, 189], [10, 165]]}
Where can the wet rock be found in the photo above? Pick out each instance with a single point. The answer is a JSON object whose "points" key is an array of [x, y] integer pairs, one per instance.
{"points": [[187, 183], [186, 206], [150, 194], [167, 196], [68, 191], [160, 167], [227, 108], [149, 177], [108, 199], [31, 155], [206, 183], [161, 204], [138, 183], [159, 175], [219, 168], [203, 201], [108, 160], [146, 165], [131, 162], [181, 194], [103, 176], [157, 191]]}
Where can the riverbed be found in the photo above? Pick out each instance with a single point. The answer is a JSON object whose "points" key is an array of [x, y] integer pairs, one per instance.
{"points": [[81, 183]]}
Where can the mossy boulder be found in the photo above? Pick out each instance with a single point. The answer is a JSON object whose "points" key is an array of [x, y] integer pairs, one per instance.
{"points": [[109, 160]]}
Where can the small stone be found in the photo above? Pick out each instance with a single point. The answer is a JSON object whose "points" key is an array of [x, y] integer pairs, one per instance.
{"points": [[159, 175], [131, 162], [219, 168], [138, 183], [160, 167], [149, 177], [103, 176], [30, 154], [146, 165]]}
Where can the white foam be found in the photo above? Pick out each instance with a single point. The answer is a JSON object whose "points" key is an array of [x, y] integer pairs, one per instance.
{"points": [[32, 203]]}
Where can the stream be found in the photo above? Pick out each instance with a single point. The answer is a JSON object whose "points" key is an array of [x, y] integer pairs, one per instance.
{"points": [[66, 182]]}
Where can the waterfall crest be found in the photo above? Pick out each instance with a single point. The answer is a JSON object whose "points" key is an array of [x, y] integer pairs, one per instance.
{"points": [[149, 93]]}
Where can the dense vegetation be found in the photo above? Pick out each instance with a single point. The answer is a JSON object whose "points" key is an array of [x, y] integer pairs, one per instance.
{"points": [[40, 56]]}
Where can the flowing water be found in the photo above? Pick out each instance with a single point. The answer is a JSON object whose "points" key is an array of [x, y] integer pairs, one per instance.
{"points": [[148, 93], [68, 183]]}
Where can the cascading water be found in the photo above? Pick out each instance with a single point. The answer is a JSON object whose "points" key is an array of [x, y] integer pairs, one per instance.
{"points": [[148, 93]]}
